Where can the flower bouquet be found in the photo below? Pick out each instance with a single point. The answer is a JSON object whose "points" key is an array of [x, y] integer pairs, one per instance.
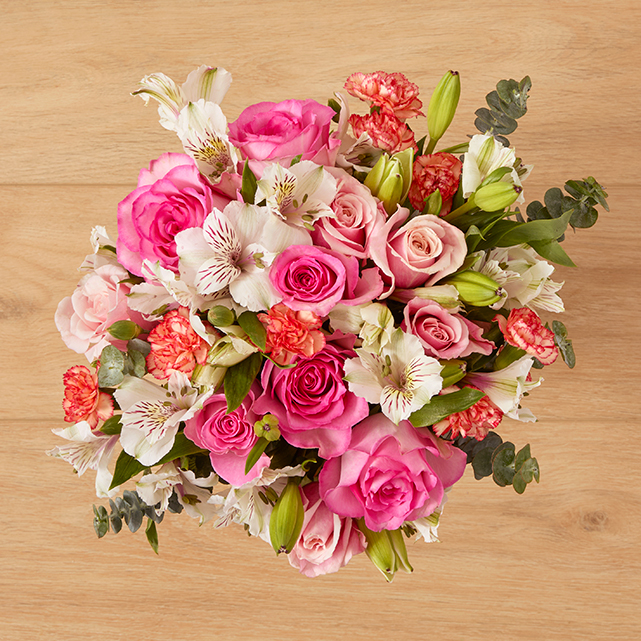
{"points": [[311, 322]]}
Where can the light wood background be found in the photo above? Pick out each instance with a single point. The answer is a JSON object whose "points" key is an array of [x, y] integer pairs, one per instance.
{"points": [[560, 562]]}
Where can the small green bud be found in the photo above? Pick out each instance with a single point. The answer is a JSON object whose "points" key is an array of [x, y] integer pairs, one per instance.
{"points": [[124, 330], [286, 521], [442, 107], [477, 289], [452, 372], [206, 375], [496, 196], [376, 174], [267, 428], [220, 316], [390, 192], [390, 178]]}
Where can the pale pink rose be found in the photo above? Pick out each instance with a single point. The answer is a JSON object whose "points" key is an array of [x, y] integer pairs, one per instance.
{"points": [[172, 195], [175, 346], [523, 329], [83, 401], [386, 131], [442, 334], [327, 541], [358, 215], [229, 437], [291, 333], [100, 299], [316, 279], [390, 473], [392, 92], [420, 253], [281, 131], [314, 407], [475, 421]]}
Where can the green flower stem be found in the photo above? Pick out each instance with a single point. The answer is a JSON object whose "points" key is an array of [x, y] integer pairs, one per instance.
{"points": [[431, 145], [463, 209]]}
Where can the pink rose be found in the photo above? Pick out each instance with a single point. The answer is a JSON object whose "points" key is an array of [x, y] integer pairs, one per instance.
{"points": [[358, 215], [420, 253], [327, 541], [316, 279], [171, 196], [314, 407], [228, 437], [83, 400], [281, 131], [443, 335], [98, 302], [390, 474]]}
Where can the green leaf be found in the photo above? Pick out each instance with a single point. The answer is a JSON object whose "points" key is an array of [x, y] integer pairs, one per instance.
{"points": [[182, 447], [494, 121], [100, 521], [527, 470], [522, 456], [152, 535], [138, 345], [442, 406], [295, 160], [249, 185], [503, 464], [564, 343], [254, 329], [111, 426], [496, 175], [482, 463], [473, 237], [239, 379], [335, 105], [255, 453], [135, 364], [552, 251], [534, 230], [112, 362], [126, 467]]}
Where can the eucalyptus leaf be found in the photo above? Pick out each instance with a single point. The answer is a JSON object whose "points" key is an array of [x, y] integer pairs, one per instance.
{"points": [[100, 521], [442, 406], [135, 364], [482, 463], [239, 378], [564, 343], [503, 464], [138, 345], [112, 362]]}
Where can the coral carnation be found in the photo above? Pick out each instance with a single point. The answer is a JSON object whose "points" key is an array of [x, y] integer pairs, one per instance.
{"points": [[83, 400], [292, 333], [440, 171], [475, 421], [175, 346], [392, 92], [386, 131], [523, 329]]}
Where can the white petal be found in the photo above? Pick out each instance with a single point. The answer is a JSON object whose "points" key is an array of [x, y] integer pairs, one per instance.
{"points": [[254, 291], [209, 83], [396, 404]]}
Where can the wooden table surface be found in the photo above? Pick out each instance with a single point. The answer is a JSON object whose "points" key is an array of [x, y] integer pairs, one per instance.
{"points": [[561, 561]]}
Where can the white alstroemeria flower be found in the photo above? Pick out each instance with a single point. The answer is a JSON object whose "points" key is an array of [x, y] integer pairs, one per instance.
{"points": [[104, 250], [505, 387], [299, 195], [152, 414], [207, 83], [427, 526], [87, 450], [373, 322], [524, 276], [191, 490], [202, 129], [234, 249], [401, 378], [486, 154], [244, 505]]}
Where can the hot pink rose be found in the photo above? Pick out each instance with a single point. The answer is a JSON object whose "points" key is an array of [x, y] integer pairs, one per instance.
{"points": [[327, 541], [386, 131], [98, 302], [358, 215], [171, 196], [420, 253], [443, 335], [316, 279], [228, 437], [523, 329], [390, 474], [281, 131], [313, 405], [83, 400]]}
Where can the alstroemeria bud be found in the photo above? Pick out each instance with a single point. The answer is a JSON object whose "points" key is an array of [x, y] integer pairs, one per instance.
{"points": [[496, 196], [380, 550], [286, 521], [476, 289], [208, 376], [398, 543], [442, 107], [220, 316], [124, 330], [452, 372]]}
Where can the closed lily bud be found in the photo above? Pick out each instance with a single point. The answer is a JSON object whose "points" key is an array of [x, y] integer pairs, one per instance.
{"points": [[452, 372], [442, 107], [286, 521], [398, 543], [496, 196], [390, 178], [476, 289], [380, 550]]}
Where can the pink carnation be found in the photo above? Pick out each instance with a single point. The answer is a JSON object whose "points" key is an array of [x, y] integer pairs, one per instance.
{"points": [[392, 92], [475, 421], [523, 329], [292, 333], [386, 131], [83, 401], [440, 171], [175, 346]]}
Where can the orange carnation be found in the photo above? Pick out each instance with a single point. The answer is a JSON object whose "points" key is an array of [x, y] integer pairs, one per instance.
{"points": [[83, 400]]}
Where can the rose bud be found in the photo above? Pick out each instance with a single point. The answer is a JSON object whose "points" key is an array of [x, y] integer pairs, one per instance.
{"points": [[442, 107], [476, 289], [286, 521]]}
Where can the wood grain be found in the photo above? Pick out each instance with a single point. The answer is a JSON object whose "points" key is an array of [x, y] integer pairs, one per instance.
{"points": [[559, 562]]}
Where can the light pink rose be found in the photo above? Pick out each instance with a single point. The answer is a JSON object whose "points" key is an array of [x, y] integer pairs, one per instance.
{"points": [[443, 335], [314, 407], [316, 279], [420, 253], [281, 131], [390, 473], [171, 196], [228, 437], [358, 215], [98, 301], [327, 541]]}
